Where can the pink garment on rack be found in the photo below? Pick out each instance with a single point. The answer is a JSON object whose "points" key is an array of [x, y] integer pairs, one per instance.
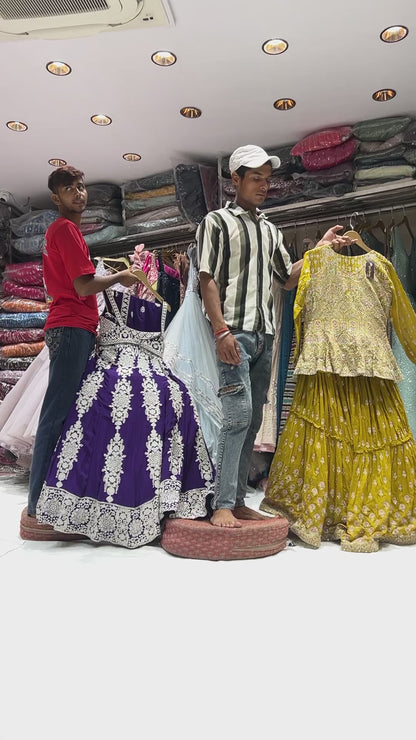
{"points": [[146, 260]]}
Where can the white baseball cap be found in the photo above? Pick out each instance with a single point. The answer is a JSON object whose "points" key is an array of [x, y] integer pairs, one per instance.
{"points": [[251, 156]]}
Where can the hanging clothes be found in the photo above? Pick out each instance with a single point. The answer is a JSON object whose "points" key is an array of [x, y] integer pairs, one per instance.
{"points": [[131, 449], [407, 386], [267, 435], [190, 354], [345, 465]]}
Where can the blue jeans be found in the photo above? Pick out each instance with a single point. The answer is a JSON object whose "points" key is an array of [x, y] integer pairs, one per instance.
{"points": [[242, 390], [69, 350]]}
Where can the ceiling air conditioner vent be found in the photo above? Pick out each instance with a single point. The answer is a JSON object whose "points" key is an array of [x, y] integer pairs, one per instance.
{"points": [[12, 11], [55, 19]]}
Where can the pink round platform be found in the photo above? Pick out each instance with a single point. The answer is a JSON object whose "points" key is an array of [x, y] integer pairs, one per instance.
{"points": [[30, 529], [191, 538]]}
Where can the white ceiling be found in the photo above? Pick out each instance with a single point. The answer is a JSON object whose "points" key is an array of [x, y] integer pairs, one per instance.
{"points": [[335, 61]]}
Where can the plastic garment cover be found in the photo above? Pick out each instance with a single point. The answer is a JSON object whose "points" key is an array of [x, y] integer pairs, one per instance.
{"points": [[374, 158], [343, 172], [22, 305], [209, 179], [368, 147], [162, 218], [15, 363], [33, 223], [380, 129], [23, 291], [324, 158], [385, 172], [101, 193], [27, 273], [10, 336], [325, 139], [190, 193], [104, 235], [148, 183], [23, 349], [23, 320], [102, 213], [29, 244], [190, 353]]}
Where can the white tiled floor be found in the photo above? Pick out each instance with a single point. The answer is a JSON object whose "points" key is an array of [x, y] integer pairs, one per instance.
{"points": [[99, 642]]}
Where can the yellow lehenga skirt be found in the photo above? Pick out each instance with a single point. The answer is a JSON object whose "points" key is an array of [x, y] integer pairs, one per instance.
{"points": [[345, 465]]}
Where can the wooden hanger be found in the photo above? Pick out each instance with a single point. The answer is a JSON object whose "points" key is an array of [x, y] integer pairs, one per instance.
{"points": [[139, 274], [357, 239]]}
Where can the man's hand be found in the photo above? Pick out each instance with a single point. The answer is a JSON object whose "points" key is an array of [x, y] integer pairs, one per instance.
{"points": [[336, 239], [228, 349], [124, 277]]}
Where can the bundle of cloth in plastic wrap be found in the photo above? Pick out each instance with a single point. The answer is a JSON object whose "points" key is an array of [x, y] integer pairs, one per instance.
{"points": [[23, 313], [181, 196], [318, 166], [102, 219], [28, 233], [327, 159], [386, 150]]}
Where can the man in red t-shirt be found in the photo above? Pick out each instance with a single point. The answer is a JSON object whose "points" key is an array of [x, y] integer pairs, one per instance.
{"points": [[71, 326]]}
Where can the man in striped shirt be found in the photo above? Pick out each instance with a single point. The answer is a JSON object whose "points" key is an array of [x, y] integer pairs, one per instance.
{"points": [[239, 251]]}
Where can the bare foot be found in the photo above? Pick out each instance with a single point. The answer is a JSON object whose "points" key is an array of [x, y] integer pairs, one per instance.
{"points": [[243, 512], [224, 518]]}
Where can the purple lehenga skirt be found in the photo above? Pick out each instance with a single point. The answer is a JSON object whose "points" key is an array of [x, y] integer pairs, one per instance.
{"points": [[131, 449]]}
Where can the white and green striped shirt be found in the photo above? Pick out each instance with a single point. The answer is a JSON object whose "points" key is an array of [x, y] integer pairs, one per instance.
{"points": [[241, 253]]}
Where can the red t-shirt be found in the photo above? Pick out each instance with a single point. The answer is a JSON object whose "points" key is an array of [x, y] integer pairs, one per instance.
{"points": [[66, 257]]}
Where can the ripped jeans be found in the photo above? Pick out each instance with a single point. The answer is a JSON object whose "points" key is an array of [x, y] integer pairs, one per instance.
{"points": [[242, 390]]}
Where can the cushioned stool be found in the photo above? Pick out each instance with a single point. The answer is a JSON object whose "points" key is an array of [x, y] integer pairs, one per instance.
{"points": [[30, 529], [191, 538]]}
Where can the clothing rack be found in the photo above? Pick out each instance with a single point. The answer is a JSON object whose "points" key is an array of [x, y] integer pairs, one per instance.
{"points": [[342, 216]]}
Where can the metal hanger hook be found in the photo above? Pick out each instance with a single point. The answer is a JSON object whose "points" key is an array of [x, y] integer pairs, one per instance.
{"points": [[353, 219]]}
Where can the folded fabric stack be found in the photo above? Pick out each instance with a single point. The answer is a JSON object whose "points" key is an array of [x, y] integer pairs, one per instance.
{"points": [[386, 150], [102, 219], [327, 160], [150, 203], [23, 313], [182, 195], [28, 232]]}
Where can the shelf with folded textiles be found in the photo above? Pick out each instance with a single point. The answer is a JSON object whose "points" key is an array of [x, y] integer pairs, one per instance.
{"points": [[179, 237], [394, 193], [388, 194]]}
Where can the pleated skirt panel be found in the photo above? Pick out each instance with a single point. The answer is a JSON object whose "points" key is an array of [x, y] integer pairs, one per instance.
{"points": [[345, 465]]}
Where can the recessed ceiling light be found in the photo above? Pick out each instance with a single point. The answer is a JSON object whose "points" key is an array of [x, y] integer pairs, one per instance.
{"points": [[284, 103], [394, 33], [58, 68], [190, 112], [383, 95], [163, 58], [17, 125], [131, 157], [56, 162], [101, 120], [275, 46]]}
